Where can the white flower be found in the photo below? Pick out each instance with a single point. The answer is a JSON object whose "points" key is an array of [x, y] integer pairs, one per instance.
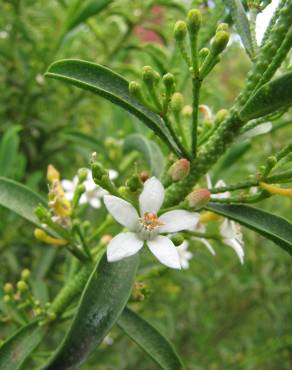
{"points": [[232, 236], [147, 227], [93, 193], [184, 255], [230, 230]]}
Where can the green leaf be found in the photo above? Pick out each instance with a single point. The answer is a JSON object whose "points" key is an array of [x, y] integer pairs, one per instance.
{"points": [[103, 300], [113, 87], [19, 199], [150, 151], [242, 24], [273, 227], [81, 11], [150, 340], [17, 348], [9, 151], [269, 98]]}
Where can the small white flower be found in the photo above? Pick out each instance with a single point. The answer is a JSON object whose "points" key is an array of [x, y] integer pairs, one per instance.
{"points": [[230, 230], [184, 255], [147, 227], [93, 193], [3, 34]]}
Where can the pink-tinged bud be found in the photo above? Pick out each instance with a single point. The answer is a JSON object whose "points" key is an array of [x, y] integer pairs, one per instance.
{"points": [[198, 198], [179, 170]]}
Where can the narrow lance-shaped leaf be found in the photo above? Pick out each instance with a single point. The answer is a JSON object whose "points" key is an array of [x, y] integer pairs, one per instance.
{"points": [[242, 24], [101, 304], [17, 348], [19, 199], [81, 10], [270, 97], [150, 340], [108, 84], [275, 228]]}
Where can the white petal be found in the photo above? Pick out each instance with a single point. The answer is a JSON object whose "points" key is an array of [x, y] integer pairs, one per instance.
{"points": [[112, 174], [261, 129], [234, 244], [178, 220], [94, 202], [165, 251], [152, 196], [83, 199], [90, 185], [123, 245], [220, 184], [227, 229], [68, 185], [123, 212], [207, 245]]}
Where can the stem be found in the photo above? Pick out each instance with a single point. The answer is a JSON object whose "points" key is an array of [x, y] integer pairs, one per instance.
{"points": [[108, 221], [196, 96], [175, 138]]}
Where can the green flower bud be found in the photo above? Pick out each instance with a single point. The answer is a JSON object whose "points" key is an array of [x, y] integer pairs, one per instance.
{"points": [[203, 53], [194, 20], [177, 239], [222, 27], [8, 288], [98, 171], [179, 170], [271, 161], [7, 298], [42, 213], [187, 111], [82, 174], [220, 116], [177, 102], [135, 88], [149, 76], [22, 287], [180, 30], [134, 183], [219, 42], [168, 81], [198, 198], [25, 274]]}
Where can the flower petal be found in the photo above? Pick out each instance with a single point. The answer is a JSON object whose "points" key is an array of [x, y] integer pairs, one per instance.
{"points": [[152, 196], [68, 185], [236, 246], [165, 251], [94, 202], [112, 174], [123, 212], [178, 220], [123, 245], [207, 244]]}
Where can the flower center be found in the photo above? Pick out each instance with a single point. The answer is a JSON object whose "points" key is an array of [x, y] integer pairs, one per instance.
{"points": [[148, 225]]}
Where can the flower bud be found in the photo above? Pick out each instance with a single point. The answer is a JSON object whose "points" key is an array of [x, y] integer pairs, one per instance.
{"points": [[194, 20], [42, 236], [134, 183], [177, 102], [203, 53], [150, 77], [220, 116], [187, 111], [168, 80], [135, 88], [98, 171], [82, 174], [198, 198], [22, 287], [25, 274], [177, 239], [222, 27], [179, 170], [52, 173], [180, 30], [7, 298], [219, 42], [271, 161], [8, 288], [144, 175]]}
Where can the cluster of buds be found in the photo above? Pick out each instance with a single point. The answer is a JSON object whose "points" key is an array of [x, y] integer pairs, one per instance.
{"points": [[20, 304], [140, 292]]}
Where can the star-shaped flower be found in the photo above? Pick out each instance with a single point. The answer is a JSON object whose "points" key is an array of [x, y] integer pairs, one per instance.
{"points": [[148, 226], [93, 193]]}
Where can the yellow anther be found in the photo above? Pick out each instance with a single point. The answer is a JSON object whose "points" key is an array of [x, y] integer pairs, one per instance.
{"points": [[272, 189], [52, 173], [209, 216], [42, 236]]}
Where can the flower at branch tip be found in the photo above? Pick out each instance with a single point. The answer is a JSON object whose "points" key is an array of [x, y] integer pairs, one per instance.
{"points": [[148, 227], [184, 255], [93, 193]]}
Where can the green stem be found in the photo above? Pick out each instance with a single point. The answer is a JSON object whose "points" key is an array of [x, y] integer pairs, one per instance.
{"points": [[175, 138], [195, 104], [108, 221]]}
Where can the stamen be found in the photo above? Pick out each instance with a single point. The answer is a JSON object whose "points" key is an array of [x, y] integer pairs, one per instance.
{"points": [[150, 221]]}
